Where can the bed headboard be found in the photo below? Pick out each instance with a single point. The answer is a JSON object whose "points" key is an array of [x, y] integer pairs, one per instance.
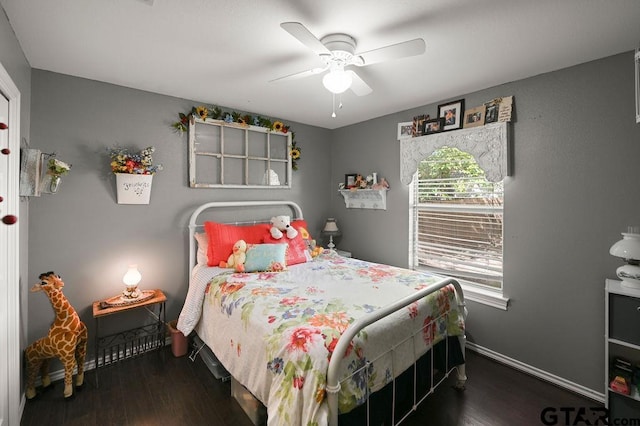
{"points": [[196, 222]]}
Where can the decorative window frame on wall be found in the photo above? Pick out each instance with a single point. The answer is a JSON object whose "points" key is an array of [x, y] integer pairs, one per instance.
{"points": [[234, 155]]}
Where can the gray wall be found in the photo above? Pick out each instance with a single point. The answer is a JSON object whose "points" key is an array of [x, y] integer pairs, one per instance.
{"points": [[14, 62], [574, 189], [84, 235], [575, 146]]}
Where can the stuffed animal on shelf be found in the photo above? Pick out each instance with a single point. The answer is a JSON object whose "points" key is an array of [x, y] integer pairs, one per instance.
{"points": [[237, 258], [382, 184], [281, 225], [67, 340]]}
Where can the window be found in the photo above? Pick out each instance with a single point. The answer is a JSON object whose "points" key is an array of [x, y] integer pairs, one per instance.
{"points": [[457, 225]]}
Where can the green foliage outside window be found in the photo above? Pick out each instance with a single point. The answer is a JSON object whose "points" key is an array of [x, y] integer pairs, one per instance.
{"points": [[448, 162], [452, 173]]}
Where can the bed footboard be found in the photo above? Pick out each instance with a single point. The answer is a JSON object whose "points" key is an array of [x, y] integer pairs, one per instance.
{"points": [[333, 381]]}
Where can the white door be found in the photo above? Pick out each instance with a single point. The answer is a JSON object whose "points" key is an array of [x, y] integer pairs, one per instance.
{"points": [[4, 246], [9, 252]]}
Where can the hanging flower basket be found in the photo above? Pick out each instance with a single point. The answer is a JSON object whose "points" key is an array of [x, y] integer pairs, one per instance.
{"points": [[134, 174], [133, 188]]}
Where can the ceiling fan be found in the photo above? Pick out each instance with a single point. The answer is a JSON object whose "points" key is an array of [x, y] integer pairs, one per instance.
{"points": [[338, 51]]}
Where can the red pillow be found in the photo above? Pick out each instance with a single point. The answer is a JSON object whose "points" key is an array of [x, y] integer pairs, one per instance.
{"points": [[301, 226], [222, 238], [297, 251]]}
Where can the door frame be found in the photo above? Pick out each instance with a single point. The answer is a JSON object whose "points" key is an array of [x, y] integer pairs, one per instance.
{"points": [[10, 348]]}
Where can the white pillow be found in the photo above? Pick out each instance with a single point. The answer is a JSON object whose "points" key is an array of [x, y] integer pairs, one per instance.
{"points": [[203, 247]]}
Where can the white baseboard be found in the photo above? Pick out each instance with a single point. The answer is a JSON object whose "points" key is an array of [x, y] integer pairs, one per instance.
{"points": [[518, 365], [88, 365], [536, 372]]}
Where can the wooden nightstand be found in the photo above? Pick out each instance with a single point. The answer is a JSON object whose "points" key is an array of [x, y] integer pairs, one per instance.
{"points": [[119, 346]]}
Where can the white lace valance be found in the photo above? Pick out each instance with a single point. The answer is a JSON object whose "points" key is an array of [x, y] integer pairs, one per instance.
{"points": [[488, 144]]}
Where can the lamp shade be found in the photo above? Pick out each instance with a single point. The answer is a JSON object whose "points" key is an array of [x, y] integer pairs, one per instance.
{"points": [[628, 248], [331, 228], [337, 80], [133, 276]]}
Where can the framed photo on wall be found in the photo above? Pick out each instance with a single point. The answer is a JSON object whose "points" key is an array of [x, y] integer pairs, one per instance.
{"points": [[491, 112], [433, 126], [498, 109], [452, 113], [350, 181], [418, 124], [405, 130], [474, 117]]}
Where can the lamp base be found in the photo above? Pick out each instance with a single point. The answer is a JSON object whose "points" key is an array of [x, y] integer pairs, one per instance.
{"points": [[131, 292], [331, 246], [630, 275]]}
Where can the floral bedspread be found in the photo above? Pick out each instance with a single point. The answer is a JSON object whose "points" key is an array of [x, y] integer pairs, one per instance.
{"points": [[275, 332]]}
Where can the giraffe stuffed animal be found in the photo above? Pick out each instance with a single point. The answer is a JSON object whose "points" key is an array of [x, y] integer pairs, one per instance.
{"points": [[67, 340]]}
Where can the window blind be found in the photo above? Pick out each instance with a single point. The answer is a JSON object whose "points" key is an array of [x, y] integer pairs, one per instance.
{"points": [[458, 228]]}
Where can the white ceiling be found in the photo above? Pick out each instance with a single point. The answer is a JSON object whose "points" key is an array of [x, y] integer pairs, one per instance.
{"points": [[226, 52]]}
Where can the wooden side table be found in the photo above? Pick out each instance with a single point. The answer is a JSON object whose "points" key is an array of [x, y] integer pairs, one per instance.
{"points": [[129, 343]]}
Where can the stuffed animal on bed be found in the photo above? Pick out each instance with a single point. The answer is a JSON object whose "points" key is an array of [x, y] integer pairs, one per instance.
{"points": [[66, 340], [313, 248], [281, 225], [237, 258]]}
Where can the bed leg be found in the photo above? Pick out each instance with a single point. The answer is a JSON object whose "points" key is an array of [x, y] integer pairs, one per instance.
{"points": [[462, 377]]}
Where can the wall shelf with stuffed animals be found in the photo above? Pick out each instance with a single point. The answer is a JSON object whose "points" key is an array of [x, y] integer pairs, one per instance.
{"points": [[364, 193], [365, 198]]}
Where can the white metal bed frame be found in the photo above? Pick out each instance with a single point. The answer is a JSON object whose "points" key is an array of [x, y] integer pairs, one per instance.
{"points": [[333, 381]]}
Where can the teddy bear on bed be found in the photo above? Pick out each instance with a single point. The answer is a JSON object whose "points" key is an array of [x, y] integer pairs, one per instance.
{"points": [[281, 225], [237, 257]]}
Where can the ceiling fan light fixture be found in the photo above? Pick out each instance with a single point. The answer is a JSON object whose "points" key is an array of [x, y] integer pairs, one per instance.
{"points": [[337, 81]]}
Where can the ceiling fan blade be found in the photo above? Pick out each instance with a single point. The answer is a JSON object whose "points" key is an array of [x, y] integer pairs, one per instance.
{"points": [[305, 37], [394, 51], [358, 86], [298, 75]]}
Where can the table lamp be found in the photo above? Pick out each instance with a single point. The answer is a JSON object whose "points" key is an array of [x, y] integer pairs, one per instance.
{"points": [[131, 280], [628, 248], [331, 230]]}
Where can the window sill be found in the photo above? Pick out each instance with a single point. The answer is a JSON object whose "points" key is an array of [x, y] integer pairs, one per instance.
{"points": [[478, 294], [492, 298]]}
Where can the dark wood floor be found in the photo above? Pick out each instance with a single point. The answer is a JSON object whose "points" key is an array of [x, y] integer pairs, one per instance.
{"points": [[159, 389]]}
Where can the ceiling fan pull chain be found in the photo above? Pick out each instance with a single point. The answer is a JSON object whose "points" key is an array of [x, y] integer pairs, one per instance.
{"points": [[340, 102], [333, 113]]}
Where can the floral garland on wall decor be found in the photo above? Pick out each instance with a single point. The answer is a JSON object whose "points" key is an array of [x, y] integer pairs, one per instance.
{"points": [[140, 163], [216, 113]]}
